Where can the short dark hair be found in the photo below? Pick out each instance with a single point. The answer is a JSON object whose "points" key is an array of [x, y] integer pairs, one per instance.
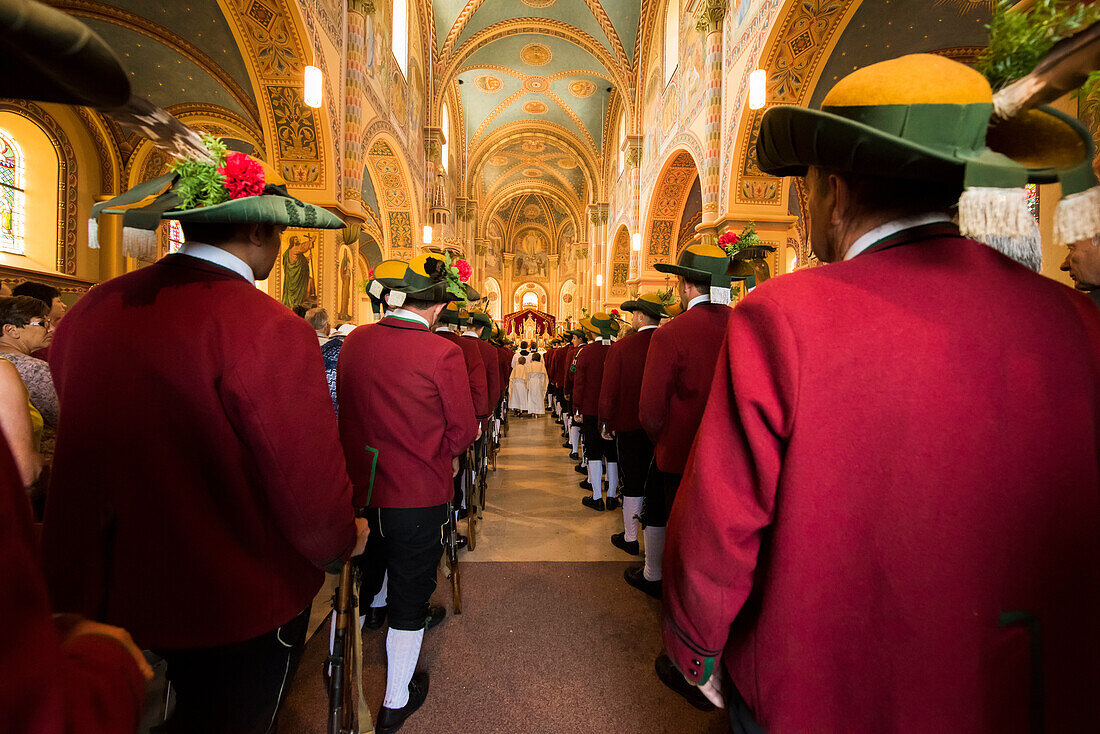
{"points": [[523, 345], [536, 357], [899, 196], [300, 310], [214, 233], [19, 310], [419, 303], [41, 291]]}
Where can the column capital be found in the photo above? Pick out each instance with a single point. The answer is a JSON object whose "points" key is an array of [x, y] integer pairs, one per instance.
{"points": [[711, 16]]}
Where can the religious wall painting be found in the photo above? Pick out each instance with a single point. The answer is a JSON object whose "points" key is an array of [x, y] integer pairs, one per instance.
{"points": [[582, 88], [345, 276], [670, 110], [536, 54], [535, 107], [488, 84], [299, 268], [531, 258], [417, 95], [399, 101], [660, 242], [497, 161], [692, 72], [401, 241]]}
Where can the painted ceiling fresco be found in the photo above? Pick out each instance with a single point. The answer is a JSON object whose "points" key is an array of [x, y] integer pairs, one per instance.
{"points": [[537, 72]]}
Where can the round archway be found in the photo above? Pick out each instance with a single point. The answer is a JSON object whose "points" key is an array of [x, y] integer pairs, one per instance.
{"points": [[522, 298]]}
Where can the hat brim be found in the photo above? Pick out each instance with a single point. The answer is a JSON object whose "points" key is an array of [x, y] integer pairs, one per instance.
{"points": [[646, 307], [52, 57], [263, 209], [689, 273], [794, 138]]}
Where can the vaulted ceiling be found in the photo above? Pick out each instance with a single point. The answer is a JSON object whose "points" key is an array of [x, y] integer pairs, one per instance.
{"points": [[535, 79]]}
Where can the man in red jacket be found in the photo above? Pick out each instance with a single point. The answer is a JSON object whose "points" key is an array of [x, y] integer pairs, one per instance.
{"points": [[620, 394], [599, 452], [406, 413], [568, 375], [207, 539], [888, 521], [678, 371]]}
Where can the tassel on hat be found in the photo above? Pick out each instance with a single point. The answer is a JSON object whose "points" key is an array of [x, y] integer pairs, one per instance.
{"points": [[1077, 217], [140, 244], [721, 295], [1000, 218], [93, 234]]}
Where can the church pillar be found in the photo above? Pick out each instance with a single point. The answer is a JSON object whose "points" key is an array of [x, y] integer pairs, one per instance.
{"points": [[111, 261], [353, 99], [580, 297], [710, 24], [554, 288], [508, 284]]}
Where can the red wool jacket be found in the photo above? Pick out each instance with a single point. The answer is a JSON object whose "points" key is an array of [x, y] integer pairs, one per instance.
{"points": [[678, 371], [89, 684], [589, 377], [505, 364], [491, 361], [404, 400], [197, 488], [476, 372], [571, 374], [895, 484], [621, 389], [564, 360]]}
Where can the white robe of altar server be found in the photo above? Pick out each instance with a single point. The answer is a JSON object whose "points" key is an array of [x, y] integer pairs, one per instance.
{"points": [[536, 388], [517, 391]]}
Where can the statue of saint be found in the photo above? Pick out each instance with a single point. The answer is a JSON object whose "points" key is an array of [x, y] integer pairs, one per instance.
{"points": [[298, 283]]}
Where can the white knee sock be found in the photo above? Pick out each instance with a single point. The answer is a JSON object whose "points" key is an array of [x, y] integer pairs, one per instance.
{"points": [[574, 437], [595, 477], [380, 597], [612, 478], [654, 552], [632, 508], [402, 652]]}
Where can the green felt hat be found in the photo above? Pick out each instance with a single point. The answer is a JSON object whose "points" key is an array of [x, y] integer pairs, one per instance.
{"points": [[383, 277], [650, 304], [426, 278], [455, 315], [51, 56], [602, 324]]}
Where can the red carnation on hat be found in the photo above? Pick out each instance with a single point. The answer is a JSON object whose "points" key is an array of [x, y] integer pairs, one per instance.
{"points": [[370, 273], [464, 270], [242, 175]]}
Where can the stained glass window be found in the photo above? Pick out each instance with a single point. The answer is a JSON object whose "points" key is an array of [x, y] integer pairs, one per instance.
{"points": [[1033, 200], [400, 36], [12, 196], [175, 236]]}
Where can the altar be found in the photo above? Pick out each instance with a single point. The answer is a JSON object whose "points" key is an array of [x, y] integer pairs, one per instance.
{"points": [[529, 325]]}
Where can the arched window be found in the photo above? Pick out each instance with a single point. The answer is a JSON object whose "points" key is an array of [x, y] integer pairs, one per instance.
{"points": [[531, 300], [175, 235], [401, 35], [445, 123], [622, 140], [672, 38], [12, 196]]}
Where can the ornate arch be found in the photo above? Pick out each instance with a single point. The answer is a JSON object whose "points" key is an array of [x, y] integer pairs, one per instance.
{"points": [[389, 173], [619, 262], [536, 129], [66, 178], [530, 286], [667, 205], [519, 188]]}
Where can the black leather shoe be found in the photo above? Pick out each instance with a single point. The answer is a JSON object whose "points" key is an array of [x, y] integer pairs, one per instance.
{"points": [[375, 618], [390, 720], [630, 546], [594, 504], [462, 513], [636, 578], [436, 614], [586, 485], [580, 468], [675, 680], [567, 445], [613, 503], [573, 455]]}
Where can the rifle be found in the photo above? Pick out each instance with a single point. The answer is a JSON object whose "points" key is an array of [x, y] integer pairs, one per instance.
{"points": [[452, 559], [347, 709], [470, 482]]}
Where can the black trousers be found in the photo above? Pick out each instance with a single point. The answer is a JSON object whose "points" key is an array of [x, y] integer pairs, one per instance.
{"points": [[596, 447], [238, 688], [742, 720], [407, 543], [660, 491], [635, 455]]}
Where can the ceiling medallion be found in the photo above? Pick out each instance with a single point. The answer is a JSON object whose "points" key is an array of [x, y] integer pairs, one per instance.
{"points": [[532, 173], [534, 146], [539, 3], [535, 107], [498, 160], [535, 54], [531, 211], [566, 163], [582, 89], [488, 84], [536, 84]]}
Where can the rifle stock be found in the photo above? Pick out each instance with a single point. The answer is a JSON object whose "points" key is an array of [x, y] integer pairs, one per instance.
{"points": [[343, 708], [452, 559]]}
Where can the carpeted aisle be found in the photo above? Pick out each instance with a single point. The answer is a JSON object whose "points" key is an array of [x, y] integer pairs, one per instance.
{"points": [[540, 647]]}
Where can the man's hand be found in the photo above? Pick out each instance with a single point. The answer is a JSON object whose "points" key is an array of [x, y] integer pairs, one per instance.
{"points": [[362, 531], [85, 627], [712, 689], [478, 436], [606, 434], [454, 467]]}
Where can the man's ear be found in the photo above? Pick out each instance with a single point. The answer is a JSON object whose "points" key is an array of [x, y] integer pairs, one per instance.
{"points": [[839, 197]]}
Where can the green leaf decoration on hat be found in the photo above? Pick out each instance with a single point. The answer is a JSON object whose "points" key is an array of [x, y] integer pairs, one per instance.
{"points": [[1019, 39], [454, 279], [199, 183], [667, 296], [733, 243]]}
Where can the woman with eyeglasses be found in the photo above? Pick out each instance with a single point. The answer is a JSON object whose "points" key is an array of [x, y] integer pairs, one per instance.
{"points": [[24, 328]]}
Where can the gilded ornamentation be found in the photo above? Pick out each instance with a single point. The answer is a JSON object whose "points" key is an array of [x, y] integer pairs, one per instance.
{"points": [[582, 89], [400, 232], [488, 84], [711, 16], [536, 54], [294, 124], [534, 107]]}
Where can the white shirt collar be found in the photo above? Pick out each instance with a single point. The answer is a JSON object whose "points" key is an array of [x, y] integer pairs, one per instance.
{"points": [[647, 328], [220, 257], [705, 298], [471, 332], [407, 315], [883, 231], [442, 328]]}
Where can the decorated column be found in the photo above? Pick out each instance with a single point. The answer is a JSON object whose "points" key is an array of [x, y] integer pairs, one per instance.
{"points": [[353, 99], [710, 24], [634, 160]]}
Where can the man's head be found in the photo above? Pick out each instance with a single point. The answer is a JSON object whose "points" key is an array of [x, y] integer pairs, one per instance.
{"points": [[639, 318], [45, 293], [428, 310], [536, 357], [689, 289], [257, 245], [1083, 264], [24, 323], [318, 319], [840, 207], [523, 345]]}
